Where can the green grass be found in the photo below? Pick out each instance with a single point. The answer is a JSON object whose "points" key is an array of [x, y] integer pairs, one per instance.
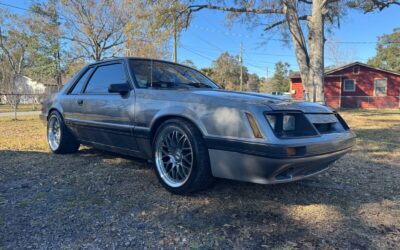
{"points": [[40, 196], [21, 108]]}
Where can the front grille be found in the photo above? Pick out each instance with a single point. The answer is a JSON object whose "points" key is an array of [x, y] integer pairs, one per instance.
{"points": [[311, 124], [324, 128]]}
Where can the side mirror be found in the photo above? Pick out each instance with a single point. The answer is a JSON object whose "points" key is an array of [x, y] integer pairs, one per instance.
{"points": [[121, 88]]}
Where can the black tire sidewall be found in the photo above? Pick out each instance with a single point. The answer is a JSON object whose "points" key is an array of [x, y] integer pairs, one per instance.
{"points": [[61, 123], [68, 142], [198, 165]]}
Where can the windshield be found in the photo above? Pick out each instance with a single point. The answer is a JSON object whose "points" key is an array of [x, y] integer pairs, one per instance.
{"points": [[156, 74]]}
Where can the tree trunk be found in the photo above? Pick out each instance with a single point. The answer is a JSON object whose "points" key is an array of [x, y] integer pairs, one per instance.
{"points": [[309, 58], [316, 42], [15, 112]]}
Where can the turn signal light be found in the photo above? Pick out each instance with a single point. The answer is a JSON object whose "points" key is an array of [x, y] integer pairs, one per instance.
{"points": [[291, 151], [254, 127]]}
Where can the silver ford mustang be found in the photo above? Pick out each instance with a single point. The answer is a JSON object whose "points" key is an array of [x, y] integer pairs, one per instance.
{"points": [[192, 130]]}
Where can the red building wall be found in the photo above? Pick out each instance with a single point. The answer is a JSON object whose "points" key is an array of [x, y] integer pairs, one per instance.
{"points": [[332, 91], [297, 89], [363, 96]]}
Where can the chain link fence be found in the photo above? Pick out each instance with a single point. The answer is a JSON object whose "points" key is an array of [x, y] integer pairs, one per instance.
{"points": [[21, 102], [363, 102]]}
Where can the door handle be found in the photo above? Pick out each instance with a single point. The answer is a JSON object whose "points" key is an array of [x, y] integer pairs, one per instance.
{"points": [[80, 102]]}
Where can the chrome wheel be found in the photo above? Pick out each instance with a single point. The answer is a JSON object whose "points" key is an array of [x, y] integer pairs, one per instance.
{"points": [[54, 133], [174, 156]]}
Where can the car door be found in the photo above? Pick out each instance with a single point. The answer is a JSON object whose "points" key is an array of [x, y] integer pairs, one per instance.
{"points": [[68, 102], [106, 118]]}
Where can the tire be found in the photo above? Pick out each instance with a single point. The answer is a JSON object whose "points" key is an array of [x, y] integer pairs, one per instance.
{"points": [[199, 176], [66, 142]]}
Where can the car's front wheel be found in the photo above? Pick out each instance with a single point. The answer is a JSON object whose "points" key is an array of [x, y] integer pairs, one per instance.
{"points": [[59, 138], [181, 158]]}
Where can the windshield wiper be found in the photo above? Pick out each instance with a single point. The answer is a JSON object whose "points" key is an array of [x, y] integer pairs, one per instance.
{"points": [[198, 84], [160, 84]]}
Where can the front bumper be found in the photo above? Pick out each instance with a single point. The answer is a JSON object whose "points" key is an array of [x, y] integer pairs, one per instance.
{"points": [[268, 167]]}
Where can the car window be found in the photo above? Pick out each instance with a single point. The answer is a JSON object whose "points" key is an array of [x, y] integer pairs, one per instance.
{"points": [[79, 85], [104, 76], [163, 74]]}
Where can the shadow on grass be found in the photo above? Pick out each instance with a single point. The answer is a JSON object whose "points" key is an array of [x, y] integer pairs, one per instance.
{"points": [[47, 196]]}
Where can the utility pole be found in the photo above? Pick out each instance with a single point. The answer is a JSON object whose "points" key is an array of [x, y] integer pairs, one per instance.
{"points": [[174, 56], [267, 73], [241, 66]]}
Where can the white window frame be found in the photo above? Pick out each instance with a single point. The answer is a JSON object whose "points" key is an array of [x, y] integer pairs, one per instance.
{"points": [[358, 69], [348, 90], [382, 78]]}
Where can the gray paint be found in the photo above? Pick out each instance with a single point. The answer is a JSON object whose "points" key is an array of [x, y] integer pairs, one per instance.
{"points": [[218, 114]]}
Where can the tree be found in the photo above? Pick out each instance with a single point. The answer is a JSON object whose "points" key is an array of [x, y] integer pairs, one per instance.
{"points": [[338, 55], [165, 22], [289, 15], [253, 83], [263, 87], [188, 63], [49, 63], [15, 46], [207, 71], [387, 52], [97, 28], [147, 35], [100, 29], [280, 81], [226, 71]]}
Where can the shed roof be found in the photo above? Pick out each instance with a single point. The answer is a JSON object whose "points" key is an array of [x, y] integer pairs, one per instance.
{"points": [[330, 72]]}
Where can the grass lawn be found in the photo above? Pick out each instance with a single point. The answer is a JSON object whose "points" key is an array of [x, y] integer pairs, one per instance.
{"points": [[21, 108], [100, 200]]}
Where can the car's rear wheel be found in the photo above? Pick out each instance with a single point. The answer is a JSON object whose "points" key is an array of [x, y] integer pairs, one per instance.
{"points": [[59, 138], [181, 158]]}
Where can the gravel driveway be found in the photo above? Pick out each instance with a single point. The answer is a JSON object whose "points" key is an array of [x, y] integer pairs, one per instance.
{"points": [[94, 200]]}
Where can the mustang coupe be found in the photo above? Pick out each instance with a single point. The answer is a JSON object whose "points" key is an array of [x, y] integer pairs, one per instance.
{"points": [[190, 128]]}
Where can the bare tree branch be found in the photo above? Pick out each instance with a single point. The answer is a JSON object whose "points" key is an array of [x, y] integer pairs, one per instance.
{"points": [[271, 26], [238, 10], [306, 1]]}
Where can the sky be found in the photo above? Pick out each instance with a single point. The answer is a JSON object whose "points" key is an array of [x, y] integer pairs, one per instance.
{"points": [[209, 35]]}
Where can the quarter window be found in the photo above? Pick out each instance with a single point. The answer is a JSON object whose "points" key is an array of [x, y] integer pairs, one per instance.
{"points": [[104, 76], [380, 87], [349, 85], [81, 82]]}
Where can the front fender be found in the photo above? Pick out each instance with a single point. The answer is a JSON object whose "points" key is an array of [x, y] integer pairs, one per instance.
{"points": [[179, 111], [212, 121]]}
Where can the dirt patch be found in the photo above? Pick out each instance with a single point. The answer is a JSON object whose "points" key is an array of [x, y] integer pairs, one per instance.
{"points": [[95, 199]]}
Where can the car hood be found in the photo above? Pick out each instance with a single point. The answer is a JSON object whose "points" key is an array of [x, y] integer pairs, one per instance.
{"points": [[273, 102]]}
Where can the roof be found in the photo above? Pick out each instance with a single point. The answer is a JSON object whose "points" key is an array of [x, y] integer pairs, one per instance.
{"points": [[329, 72], [135, 58]]}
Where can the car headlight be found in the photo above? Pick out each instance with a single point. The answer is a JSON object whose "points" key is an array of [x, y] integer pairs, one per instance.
{"points": [[272, 120], [289, 123]]}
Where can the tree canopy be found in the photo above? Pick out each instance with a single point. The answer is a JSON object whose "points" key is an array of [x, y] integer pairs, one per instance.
{"points": [[226, 71], [303, 22], [388, 52]]}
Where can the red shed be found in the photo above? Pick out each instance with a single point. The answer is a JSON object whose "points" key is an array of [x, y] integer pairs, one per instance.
{"points": [[356, 85]]}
